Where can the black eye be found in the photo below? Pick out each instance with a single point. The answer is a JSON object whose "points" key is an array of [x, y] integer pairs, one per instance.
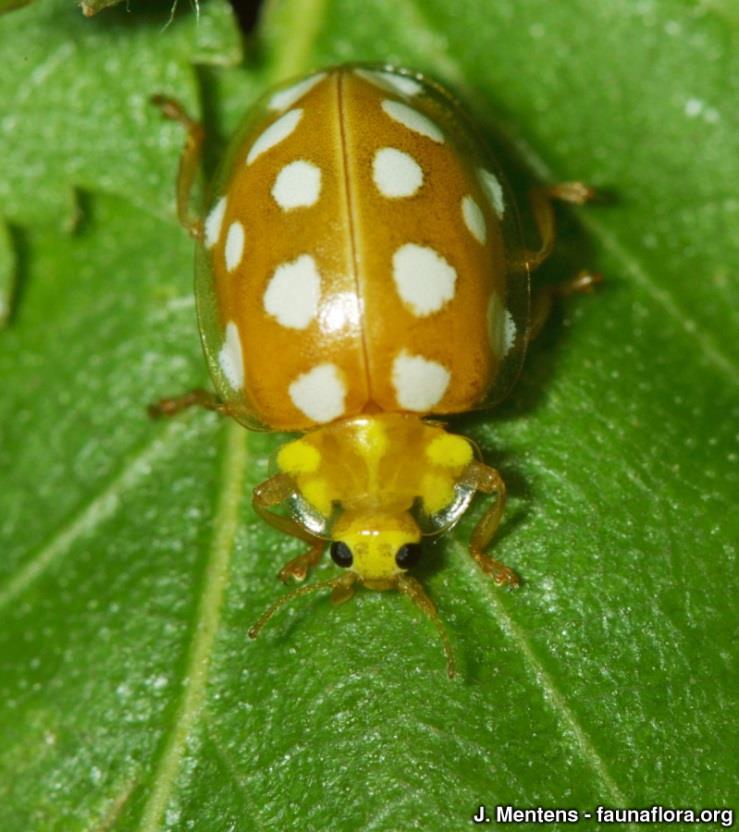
{"points": [[408, 555], [341, 554]]}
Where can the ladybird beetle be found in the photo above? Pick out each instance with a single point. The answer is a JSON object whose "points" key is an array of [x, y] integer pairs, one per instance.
{"points": [[360, 268]]}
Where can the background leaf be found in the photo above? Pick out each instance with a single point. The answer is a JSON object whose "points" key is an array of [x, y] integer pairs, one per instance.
{"points": [[77, 103], [132, 564]]}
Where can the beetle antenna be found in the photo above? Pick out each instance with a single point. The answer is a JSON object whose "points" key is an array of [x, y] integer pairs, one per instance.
{"points": [[411, 588], [342, 581]]}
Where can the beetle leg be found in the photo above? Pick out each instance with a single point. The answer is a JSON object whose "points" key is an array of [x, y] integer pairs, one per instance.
{"points": [[195, 398], [488, 481], [299, 567], [412, 589], [343, 592], [338, 586], [270, 493], [189, 161], [541, 304], [542, 198]]}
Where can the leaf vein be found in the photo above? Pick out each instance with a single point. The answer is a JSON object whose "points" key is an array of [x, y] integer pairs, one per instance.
{"points": [[92, 515], [550, 692], [230, 766], [303, 33], [116, 805], [225, 526]]}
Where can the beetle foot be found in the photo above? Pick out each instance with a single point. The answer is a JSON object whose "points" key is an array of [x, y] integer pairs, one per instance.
{"points": [[501, 574], [584, 282], [175, 404], [295, 569]]}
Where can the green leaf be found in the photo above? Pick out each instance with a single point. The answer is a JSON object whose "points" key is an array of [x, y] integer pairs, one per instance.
{"points": [[133, 565], [76, 103]]}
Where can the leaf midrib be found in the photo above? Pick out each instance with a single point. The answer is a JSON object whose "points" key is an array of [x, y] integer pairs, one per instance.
{"points": [[205, 625]]}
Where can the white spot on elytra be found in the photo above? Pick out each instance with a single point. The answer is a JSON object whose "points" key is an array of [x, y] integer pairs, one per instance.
{"points": [[319, 393], [412, 119], [501, 327], [287, 97], [234, 245], [292, 293], [230, 358], [277, 131], [419, 383], [494, 191], [298, 185], [391, 81], [423, 278], [401, 83], [474, 219], [213, 223], [396, 174]]}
